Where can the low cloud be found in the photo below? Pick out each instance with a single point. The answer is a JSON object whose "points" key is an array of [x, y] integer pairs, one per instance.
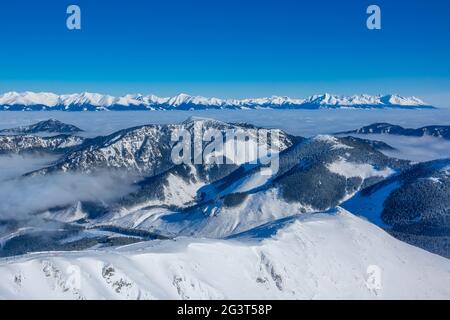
{"points": [[417, 149], [23, 196], [12, 166]]}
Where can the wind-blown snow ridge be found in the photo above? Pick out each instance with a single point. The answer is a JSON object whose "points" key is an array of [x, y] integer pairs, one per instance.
{"points": [[326, 256], [31, 101]]}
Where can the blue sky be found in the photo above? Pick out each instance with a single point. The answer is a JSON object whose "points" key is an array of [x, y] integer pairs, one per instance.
{"points": [[227, 48]]}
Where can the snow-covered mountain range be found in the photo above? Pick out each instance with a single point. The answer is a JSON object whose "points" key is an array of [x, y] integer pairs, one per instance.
{"points": [[31, 101], [185, 231]]}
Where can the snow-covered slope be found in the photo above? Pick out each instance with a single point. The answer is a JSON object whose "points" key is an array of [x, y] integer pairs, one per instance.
{"points": [[22, 144], [414, 204], [396, 200], [14, 101], [325, 256]]}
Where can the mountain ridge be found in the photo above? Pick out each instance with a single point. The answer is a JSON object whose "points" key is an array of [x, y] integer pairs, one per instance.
{"points": [[303, 258], [46, 126], [388, 128], [44, 101]]}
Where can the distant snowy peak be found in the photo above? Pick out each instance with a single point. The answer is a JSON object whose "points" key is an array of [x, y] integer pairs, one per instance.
{"points": [[47, 126], [361, 100], [29, 99], [14, 101]]}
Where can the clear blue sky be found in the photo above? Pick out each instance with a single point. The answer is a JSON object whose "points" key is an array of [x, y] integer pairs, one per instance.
{"points": [[227, 48]]}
